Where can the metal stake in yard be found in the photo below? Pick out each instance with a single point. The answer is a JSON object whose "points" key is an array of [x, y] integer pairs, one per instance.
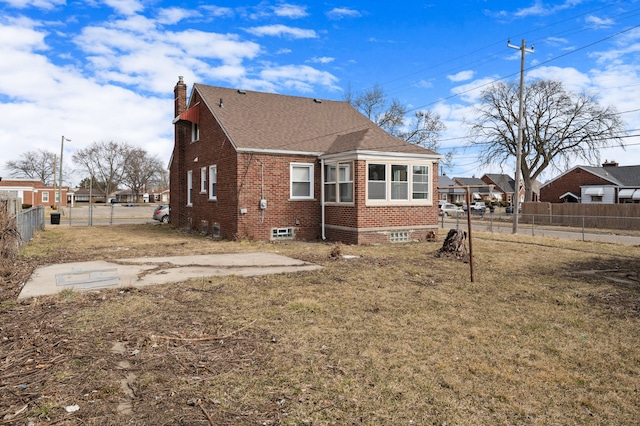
{"points": [[468, 201]]}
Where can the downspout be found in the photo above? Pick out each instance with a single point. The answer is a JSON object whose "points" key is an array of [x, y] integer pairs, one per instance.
{"points": [[262, 189], [322, 197]]}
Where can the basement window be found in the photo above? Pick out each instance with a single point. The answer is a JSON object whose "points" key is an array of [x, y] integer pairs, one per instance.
{"points": [[399, 237], [282, 233]]}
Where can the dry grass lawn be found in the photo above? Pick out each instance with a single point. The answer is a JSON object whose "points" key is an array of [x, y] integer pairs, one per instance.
{"points": [[548, 334]]}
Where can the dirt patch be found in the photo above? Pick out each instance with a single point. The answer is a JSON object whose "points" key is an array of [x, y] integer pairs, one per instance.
{"points": [[616, 283]]}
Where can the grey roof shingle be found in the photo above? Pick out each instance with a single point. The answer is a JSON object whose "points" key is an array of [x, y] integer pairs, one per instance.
{"points": [[620, 175], [504, 182], [267, 121]]}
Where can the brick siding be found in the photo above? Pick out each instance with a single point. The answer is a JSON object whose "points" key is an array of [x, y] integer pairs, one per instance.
{"points": [[570, 182]]}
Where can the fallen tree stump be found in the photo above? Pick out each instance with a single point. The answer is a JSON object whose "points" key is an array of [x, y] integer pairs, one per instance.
{"points": [[454, 245]]}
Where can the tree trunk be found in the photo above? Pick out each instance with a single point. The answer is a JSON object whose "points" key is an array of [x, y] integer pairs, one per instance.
{"points": [[454, 246]]}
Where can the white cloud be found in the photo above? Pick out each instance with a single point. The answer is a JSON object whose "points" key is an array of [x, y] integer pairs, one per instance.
{"points": [[173, 15], [599, 22], [461, 76], [119, 52], [282, 30], [425, 84], [541, 9], [470, 92], [290, 11], [40, 4], [321, 60], [300, 77], [343, 12], [218, 12], [125, 7], [572, 79]]}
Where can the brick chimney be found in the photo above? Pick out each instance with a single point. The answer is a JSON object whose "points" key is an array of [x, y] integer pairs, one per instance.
{"points": [[609, 163], [180, 100]]}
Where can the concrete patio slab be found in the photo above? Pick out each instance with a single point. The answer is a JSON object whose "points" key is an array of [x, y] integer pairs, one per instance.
{"points": [[87, 276]]}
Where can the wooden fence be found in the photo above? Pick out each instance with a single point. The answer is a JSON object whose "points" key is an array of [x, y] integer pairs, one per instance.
{"points": [[607, 216]]}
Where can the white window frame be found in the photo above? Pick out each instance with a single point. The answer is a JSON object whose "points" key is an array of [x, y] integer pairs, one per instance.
{"points": [[391, 193], [310, 167], [398, 185], [189, 187], [427, 183], [45, 196], [378, 181], [330, 178], [335, 185], [203, 180], [195, 132], [213, 182]]}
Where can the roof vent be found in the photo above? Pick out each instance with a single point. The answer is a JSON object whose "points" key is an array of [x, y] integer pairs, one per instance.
{"points": [[318, 101], [242, 92], [221, 104]]}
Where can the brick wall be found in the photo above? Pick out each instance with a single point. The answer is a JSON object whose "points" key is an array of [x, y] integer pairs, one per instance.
{"points": [[374, 223], [243, 179], [570, 182]]}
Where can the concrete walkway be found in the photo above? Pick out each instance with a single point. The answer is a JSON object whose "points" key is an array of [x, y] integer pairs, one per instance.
{"points": [[86, 276]]}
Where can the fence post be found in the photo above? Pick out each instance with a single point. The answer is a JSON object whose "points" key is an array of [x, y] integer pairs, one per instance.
{"points": [[533, 224], [582, 227]]}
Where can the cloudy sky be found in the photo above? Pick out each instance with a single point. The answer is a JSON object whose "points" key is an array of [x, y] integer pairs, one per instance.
{"points": [[102, 70]]}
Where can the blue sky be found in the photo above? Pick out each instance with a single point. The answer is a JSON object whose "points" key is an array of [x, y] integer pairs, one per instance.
{"points": [[101, 70]]}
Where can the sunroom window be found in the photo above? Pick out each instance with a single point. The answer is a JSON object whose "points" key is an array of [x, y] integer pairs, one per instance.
{"points": [[377, 183], [399, 182], [420, 183]]}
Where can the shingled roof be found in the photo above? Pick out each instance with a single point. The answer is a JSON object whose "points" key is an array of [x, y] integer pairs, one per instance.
{"points": [[272, 122]]}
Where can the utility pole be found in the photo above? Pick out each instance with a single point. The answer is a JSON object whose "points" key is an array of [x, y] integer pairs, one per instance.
{"points": [[60, 185], [516, 204]]}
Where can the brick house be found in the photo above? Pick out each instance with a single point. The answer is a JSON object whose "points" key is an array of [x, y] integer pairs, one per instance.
{"points": [[265, 167], [609, 184], [34, 192]]}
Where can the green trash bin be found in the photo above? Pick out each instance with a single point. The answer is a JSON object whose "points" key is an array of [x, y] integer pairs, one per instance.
{"points": [[55, 218]]}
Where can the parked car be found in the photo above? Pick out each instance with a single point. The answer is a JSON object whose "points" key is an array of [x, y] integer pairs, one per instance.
{"points": [[478, 207], [162, 213], [449, 209]]}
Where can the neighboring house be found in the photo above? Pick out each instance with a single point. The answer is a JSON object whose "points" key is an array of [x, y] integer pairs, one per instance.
{"points": [[609, 184], [450, 191], [266, 167], [503, 186], [34, 192], [478, 190], [82, 195]]}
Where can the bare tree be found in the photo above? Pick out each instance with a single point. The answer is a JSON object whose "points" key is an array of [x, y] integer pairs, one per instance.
{"points": [[422, 128], [105, 163], [37, 165], [140, 170], [558, 127]]}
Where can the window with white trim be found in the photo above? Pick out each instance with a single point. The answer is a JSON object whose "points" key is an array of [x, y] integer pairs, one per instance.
{"points": [[345, 182], [195, 132], [45, 196], [213, 181], [377, 182], [420, 177], [301, 175], [338, 182], [399, 182], [203, 180], [330, 183], [189, 187]]}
